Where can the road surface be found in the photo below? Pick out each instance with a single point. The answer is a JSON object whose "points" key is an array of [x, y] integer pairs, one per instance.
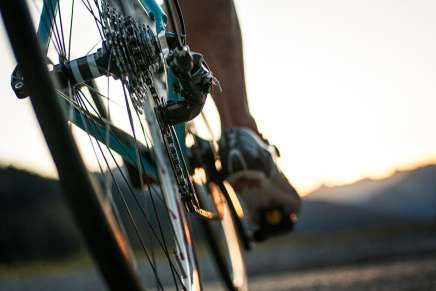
{"points": [[408, 274], [417, 273]]}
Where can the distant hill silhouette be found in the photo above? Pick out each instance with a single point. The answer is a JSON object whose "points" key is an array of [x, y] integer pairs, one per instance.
{"points": [[322, 216], [35, 220], [408, 196], [356, 192], [413, 196]]}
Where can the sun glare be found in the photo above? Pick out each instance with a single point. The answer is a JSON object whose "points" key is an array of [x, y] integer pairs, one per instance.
{"points": [[344, 88]]}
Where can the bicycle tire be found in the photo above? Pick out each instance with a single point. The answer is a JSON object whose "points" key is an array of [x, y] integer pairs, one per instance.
{"points": [[97, 221], [222, 234], [222, 239]]}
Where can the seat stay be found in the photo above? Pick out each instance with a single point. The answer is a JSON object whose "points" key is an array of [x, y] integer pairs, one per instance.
{"points": [[46, 19], [156, 13]]}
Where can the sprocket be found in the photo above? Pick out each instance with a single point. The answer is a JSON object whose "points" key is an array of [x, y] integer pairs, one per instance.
{"points": [[134, 50]]}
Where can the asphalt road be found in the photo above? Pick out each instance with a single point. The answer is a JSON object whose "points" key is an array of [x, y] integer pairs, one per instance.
{"points": [[401, 274], [408, 274]]}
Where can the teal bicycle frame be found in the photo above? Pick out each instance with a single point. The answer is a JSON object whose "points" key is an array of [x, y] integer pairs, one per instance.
{"points": [[120, 142]]}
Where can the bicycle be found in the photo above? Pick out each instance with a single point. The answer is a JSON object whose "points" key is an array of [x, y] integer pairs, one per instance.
{"points": [[135, 200]]}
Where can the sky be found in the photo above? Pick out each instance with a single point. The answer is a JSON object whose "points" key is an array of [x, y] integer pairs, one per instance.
{"points": [[345, 89]]}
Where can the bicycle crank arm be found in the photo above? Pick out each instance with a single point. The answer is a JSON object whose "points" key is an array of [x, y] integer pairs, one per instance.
{"points": [[205, 214]]}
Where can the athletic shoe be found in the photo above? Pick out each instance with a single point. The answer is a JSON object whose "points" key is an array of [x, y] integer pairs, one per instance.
{"points": [[249, 165]]}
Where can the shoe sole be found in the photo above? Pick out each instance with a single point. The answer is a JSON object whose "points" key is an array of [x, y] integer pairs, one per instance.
{"points": [[264, 198]]}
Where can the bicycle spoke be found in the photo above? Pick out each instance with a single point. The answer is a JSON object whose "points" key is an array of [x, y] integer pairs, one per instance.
{"points": [[149, 219], [125, 204], [71, 30], [62, 38], [140, 168], [162, 243]]}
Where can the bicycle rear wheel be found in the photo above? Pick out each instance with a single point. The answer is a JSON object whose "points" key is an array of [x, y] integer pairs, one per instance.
{"points": [[140, 238], [222, 239], [221, 235]]}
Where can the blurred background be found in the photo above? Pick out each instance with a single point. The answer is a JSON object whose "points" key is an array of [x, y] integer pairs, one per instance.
{"points": [[346, 89]]}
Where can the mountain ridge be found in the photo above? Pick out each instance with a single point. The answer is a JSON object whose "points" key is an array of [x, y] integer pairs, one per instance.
{"points": [[410, 194]]}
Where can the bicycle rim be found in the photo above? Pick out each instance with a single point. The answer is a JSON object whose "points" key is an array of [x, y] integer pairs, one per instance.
{"points": [[223, 241], [139, 237], [221, 235]]}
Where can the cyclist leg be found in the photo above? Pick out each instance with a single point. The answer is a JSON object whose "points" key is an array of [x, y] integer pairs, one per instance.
{"points": [[213, 29], [249, 161]]}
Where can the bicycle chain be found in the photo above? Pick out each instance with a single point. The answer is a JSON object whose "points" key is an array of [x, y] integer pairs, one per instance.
{"points": [[136, 58]]}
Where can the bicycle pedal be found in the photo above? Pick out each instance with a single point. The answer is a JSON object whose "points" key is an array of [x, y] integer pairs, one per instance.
{"points": [[206, 214], [274, 221]]}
